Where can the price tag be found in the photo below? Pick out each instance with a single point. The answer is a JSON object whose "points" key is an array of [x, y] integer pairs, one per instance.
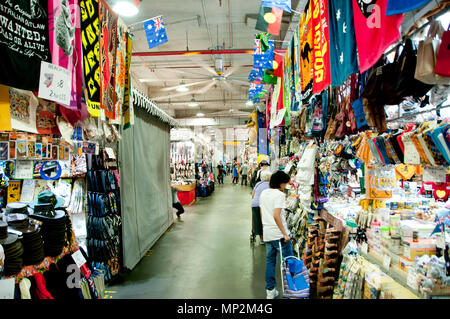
{"points": [[387, 262], [78, 258], [55, 83], [440, 240], [364, 248], [411, 280]]}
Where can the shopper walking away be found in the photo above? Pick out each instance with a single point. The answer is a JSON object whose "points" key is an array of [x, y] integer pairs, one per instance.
{"points": [[244, 172], [176, 202], [220, 172], [235, 173], [256, 168], [257, 228], [264, 166], [275, 230]]}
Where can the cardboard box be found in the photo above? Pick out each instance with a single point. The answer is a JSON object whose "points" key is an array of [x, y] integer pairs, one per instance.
{"points": [[424, 246]]}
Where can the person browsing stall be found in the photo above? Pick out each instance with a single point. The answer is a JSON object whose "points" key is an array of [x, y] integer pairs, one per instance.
{"points": [[275, 230]]}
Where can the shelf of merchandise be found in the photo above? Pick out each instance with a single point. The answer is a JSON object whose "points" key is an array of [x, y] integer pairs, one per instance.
{"points": [[394, 271]]}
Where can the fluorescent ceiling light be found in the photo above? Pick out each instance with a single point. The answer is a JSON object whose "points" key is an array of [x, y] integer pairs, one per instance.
{"points": [[193, 104], [125, 8], [182, 89], [200, 114]]}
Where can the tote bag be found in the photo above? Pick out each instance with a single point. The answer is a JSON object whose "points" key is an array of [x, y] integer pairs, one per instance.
{"points": [[443, 56], [426, 56]]}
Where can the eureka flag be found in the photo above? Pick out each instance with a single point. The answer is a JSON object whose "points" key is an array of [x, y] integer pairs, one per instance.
{"points": [[155, 32]]}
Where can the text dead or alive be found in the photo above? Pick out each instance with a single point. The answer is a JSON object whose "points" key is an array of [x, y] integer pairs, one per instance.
{"points": [[226, 309]]}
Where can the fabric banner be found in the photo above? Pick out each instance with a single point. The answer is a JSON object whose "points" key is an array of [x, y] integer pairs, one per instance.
{"points": [[108, 48], [306, 44], [374, 31], [343, 52], [90, 41], [321, 45], [402, 6], [23, 106], [127, 93], [120, 70], [269, 20], [65, 43], [287, 83], [263, 143], [296, 63], [23, 42]]}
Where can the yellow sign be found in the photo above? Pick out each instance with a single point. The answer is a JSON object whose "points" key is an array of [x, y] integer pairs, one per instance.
{"points": [[231, 143]]}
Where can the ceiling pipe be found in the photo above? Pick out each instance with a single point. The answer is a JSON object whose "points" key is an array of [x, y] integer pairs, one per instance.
{"points": [[201, 52]]}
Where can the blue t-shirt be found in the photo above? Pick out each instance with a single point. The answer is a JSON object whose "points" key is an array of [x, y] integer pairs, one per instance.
{"points": [[235, 172], [259, 187]]}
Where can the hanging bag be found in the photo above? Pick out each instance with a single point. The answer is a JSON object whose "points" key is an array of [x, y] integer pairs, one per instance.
{"points": [[426, 56], [443, 56]]}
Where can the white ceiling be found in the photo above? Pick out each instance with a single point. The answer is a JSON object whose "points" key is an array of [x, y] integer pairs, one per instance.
{"points": [[205, 25], [198, 25]]}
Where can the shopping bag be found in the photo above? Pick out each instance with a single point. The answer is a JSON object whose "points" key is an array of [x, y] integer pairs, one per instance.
{"points": [[443, 56], [426, 56]]}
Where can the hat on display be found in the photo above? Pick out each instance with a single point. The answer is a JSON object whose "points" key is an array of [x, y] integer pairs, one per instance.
{"points": [[18, 208], [5, 237], [47, 197], [264, 162]]}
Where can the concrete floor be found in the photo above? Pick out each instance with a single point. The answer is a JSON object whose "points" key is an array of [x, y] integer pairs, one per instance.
{"points": [[207, 254]]}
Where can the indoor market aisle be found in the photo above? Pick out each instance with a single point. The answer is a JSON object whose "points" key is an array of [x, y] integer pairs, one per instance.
{"points": [[205, 255]]}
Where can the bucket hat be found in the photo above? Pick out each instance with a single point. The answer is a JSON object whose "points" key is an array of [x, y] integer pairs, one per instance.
{"points": [[5, 237], [18, 208], [47, 197]]}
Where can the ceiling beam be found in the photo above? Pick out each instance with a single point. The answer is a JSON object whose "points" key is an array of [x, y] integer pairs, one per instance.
{"points": [[196, 52]]}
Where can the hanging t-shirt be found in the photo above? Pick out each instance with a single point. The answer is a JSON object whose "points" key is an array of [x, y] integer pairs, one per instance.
{"points": [[91, 69], [23, 42], [23, 106], [343, 54], [402, 6], [46, 118], [374, 31], [306, 63], [65, 43], [269, 200], [108, 48], [321, 45]]}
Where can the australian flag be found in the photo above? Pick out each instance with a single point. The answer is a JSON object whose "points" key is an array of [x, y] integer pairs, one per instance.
{"points": [[256, 75], [278, 4], [262, 60], [255, 89], [155, 32]]}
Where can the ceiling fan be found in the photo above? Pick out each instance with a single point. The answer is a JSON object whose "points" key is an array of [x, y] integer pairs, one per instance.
{"points": [[218, 78]]}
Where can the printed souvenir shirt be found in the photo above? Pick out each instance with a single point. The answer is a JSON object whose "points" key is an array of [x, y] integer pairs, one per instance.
{"points": [[374, 31], [402, 6], [343, 56]]}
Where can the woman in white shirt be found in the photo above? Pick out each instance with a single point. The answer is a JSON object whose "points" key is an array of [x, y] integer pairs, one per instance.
{"points": [[275, 230]]}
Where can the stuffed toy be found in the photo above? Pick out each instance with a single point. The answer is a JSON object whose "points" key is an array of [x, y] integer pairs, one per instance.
{"points": [[253, 133]]}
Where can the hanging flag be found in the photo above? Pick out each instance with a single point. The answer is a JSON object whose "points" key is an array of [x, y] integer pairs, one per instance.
{"points": [[155, 32], [296, 63], [278, 4], [121, 52], [374, 31], [343, 54], [264, 37], [269, 20], [127, 110], [402, 6], [269, 77], [254, 89], [108, 47], [256, 75], [90, 42], [306, 46], [321, 46], [262, 60], [278, 65]]}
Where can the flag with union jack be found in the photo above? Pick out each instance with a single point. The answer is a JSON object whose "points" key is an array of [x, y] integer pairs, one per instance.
{"points": [[255, 88], [256, 75], [262, 60], [155, 32]]}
